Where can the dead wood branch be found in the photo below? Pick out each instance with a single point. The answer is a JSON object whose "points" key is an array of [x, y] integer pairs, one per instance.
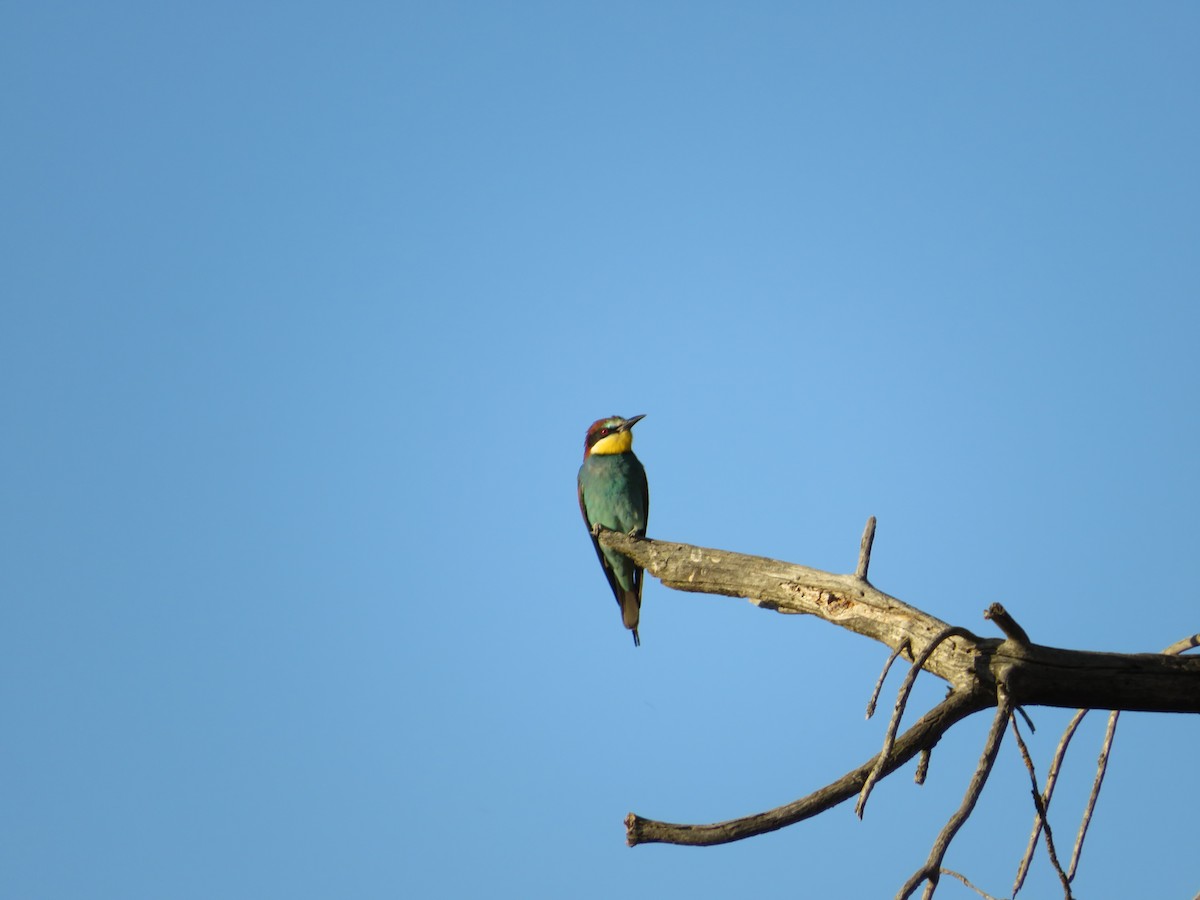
{"points": [[1180, 646], [1007, 624], [981, 673], [864, 550], [1036, 675], [1040, 808], [1183, 645], [887, 666], [1051, 781], [932, 870], [1101, 768], [963, 878], [898, 711], [921, 736]]}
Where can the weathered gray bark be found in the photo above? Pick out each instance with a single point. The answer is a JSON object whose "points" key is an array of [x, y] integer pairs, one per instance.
{"points": [[981, 672], [921, 736], [1034, 675]]}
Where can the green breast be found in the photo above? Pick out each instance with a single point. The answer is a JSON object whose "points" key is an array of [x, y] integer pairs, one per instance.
{"points": [[614, 491]]}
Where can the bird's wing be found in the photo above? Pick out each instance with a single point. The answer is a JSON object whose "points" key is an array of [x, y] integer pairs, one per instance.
{"points": [[582, 505], [638, 572], [604, 563], [641, 471]]}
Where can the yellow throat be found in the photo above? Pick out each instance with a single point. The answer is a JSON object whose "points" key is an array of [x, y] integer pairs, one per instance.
{"points": [[618, 442]]}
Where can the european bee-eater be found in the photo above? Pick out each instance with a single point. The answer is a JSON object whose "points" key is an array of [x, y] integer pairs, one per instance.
{"points": [[613, 493]]}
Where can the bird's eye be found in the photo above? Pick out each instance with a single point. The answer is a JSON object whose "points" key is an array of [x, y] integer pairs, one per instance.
{"points": [[603, 431]]}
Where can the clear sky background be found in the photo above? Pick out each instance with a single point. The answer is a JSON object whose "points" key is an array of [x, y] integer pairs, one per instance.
{"points": [[306, 309]]}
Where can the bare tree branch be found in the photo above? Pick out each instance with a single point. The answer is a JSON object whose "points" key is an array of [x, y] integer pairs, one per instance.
{"points": [[864, 550], [963, 878], [1036, 675], [1051, 781], [898, 711], [923, 735], [1101, 768], [922, 767], [883, 677], [1180, 646], [932, 870], [1007, 624], [1040, 807], [1183, 644], [981, 672]]}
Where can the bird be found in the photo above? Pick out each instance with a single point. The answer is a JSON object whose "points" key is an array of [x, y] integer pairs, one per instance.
{"points": [[613, 493]]}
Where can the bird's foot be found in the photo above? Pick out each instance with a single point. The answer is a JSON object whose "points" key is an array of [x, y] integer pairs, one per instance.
{"points": [[596, 529]]}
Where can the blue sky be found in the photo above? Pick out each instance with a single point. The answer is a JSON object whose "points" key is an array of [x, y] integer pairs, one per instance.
{"points": [[306, 310]]}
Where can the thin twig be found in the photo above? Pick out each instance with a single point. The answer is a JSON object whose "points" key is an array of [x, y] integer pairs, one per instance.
{"points": [[901, 701], [1180, 646], [1174, 649], [963, 878], [931, 871], [1040, 807], [1051, 781], [887, 666], [1007, 624], [1041, 811], [1101, 767], [922, 766], [864, 550], [924, 733]]}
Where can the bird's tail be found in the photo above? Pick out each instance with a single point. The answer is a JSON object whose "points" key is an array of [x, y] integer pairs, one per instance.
{"points": [[630, 613]]}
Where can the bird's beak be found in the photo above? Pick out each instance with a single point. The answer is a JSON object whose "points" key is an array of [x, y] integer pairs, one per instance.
{"points": [[631, 421]]}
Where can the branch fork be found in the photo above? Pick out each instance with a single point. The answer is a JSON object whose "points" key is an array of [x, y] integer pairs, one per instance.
{"points": [[981, 673]]}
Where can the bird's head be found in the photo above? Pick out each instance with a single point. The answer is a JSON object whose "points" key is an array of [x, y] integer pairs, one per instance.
{"points": [[611, 435]]}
